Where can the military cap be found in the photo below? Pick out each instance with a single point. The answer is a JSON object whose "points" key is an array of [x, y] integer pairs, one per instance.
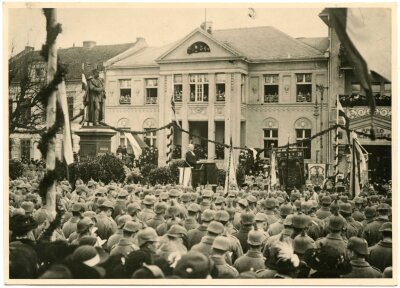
{"points": [[345, 208], [306, 207], [386, 227], [173, 193], [370, 212], [91, 183], [336, 222], [260, 217], [84, 224], [112, 187], [288, 220], [85, 254], [358, 200], [300, 221], [173, 210], [374, 198], [193, 196], [326, 200], [247, 218], [221, 243], [160, 207], [28, 206], [221, 216], [164, 196], [101, 191], [294, 196], [177, 231], [251, 199], [107, 204], [132, 226], [358, 245], [243, 202], [123, 219], [123, 193], [89, 214], [255, 237], [185, 197], [132, 207], [383, 206], [76, 207], [18, 211], [215, 227], [193, 207], [285, 210], [207, 215], [207, 193], [148, 200], [81, 188], [193, 265], [145, 235], [219, 200], [302, 243]]}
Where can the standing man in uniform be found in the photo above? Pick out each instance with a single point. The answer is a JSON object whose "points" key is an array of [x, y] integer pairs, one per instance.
{"points": [[95, 98]]}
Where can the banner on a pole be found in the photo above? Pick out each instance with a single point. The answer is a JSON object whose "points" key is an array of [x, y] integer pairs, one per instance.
{"points": [[316, 173]]}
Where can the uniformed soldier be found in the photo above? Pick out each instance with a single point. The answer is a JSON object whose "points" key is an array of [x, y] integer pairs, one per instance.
{"points": [[159, 209], [191, 221], [247, 222], [270, 205], [371, 231], [352, 227], [133, 209], [358, 211], [381, 254], [334, 238], [114, 239], [195, 235], [220, 248], [253, 260], [148, 242], [370, 214], [105, 223], [126, 244], [147, 212], [120, 203], [173, 243], [278, 226], [357, 253], [286, 233], [71, 225], [324, 211], [214, 229]]}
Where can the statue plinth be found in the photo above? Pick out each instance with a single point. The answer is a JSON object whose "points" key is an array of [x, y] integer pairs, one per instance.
{"points": [[94, 141]]}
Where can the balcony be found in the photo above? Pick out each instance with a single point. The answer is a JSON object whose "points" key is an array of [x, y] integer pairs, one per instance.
{"points": [[125, 100], [271, 98], [360, 100], [151, 100]]}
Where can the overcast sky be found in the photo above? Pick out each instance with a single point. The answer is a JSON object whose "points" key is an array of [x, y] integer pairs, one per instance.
{"points": [[158, 25]]}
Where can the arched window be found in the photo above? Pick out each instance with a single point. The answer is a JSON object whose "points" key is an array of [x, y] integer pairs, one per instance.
{"points": [[198, 47], [270, 135], [303, 131], [150, 138], [123, 142]]}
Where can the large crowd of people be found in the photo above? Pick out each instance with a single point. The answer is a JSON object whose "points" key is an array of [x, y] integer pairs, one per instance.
{"points": [[122, 230]]}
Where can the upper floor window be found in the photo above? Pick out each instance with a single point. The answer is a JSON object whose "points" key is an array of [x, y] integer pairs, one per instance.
{"points": [[150, 138], [70, 102], [125, 91], [220, 86], [271, 88], [270, 140], [302, 134], [178, 87], [151, 91], [198, 87], [242, 89], [303, 87]]}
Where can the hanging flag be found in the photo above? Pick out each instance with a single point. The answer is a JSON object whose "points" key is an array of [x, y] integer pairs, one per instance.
{"points": [[67, 139], [252, 13], [174, 112], [230, 178], [273, 180], [254, 151], [362, 159], [137, 149], [365, 34], [359, 166], [344, 118]]}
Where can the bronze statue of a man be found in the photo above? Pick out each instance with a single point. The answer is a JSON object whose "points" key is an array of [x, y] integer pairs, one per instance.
{"points": [[95, 99]]}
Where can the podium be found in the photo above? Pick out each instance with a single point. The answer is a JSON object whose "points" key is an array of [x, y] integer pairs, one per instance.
{"points": [[208, 173], [185, 176]]}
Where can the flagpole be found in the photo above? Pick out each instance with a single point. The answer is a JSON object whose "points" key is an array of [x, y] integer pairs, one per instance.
{"points": [[337, 140], [353, 169]]}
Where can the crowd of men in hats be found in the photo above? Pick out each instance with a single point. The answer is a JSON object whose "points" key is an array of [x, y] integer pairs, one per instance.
{"points": [[122, 231]]}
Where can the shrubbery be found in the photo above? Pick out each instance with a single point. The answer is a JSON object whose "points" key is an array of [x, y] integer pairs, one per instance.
{"points": [[160, 175], [16, 169]]}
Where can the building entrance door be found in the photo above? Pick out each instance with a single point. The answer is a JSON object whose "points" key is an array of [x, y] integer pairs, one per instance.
{"points": [[379, 162]]}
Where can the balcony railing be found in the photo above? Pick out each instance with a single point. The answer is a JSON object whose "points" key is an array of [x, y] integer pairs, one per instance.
{"points": [[271, 98], [124, 100], [151, 100], [360, 100]]}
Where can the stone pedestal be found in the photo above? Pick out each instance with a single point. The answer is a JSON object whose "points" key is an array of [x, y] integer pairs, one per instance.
{"points": [[94, 141]]}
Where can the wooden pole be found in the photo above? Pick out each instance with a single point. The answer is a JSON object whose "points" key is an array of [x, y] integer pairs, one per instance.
{"points": [[51, 118]]}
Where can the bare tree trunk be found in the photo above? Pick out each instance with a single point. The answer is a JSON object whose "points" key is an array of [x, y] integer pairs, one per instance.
{"points": [[51, 118]]}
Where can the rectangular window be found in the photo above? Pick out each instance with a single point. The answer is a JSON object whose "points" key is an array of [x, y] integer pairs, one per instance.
{"points": [[125, 91], [304, 87], [25, 149], [270, 141], [388, 89], [306, 145], [178, 87], [271, 88], [356, 89], [70, 102], [150, 138], [376, 89], [151, 91], [198, 87], [220, 86]]}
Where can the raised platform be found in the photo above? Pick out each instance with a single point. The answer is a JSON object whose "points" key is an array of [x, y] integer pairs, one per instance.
{"points": [[94, 141]]}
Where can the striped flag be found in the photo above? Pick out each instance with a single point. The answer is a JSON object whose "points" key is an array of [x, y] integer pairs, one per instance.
{"points": [[365, 34], [359, 171], [344, 118], [170, 135], [230, 178], [137, 150]]}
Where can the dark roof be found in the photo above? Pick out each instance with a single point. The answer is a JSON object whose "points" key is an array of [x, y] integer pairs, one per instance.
{"points": [[265, 43], [320, 43], [74, 57]]}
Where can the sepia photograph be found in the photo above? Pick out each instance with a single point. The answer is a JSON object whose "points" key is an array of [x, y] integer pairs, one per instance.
{"points": [[199, 143]]}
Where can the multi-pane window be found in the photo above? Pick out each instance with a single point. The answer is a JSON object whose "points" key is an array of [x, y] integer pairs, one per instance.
{"points": [[220, 86], [151, 91], [387, 89], [270, 140], [25, 149], [198, 87], [150, 138], [302, 134], [178, 87], [304, 87], [70, 102], [376, 89], [125, 91], [271, 88]]}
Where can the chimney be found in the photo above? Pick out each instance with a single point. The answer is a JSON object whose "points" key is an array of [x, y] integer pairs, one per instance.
{"points": [[140, 43], [89, 44], [29, 49], [207, 26]]}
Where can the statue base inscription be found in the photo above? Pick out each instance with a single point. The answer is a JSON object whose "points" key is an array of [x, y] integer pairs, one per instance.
{"points": [[94, 141]]}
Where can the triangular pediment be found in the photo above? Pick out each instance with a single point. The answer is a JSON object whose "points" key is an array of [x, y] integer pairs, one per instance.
{"points": [[199, 45]]}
